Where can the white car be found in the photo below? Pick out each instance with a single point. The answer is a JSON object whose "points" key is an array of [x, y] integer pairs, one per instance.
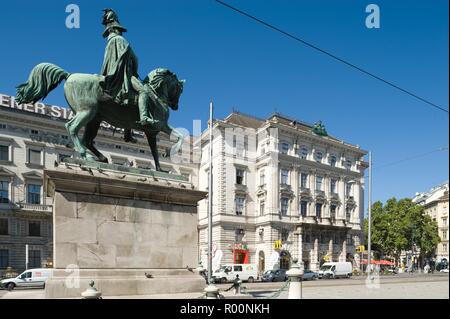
{"points": [[29, 278], [444, 270]]}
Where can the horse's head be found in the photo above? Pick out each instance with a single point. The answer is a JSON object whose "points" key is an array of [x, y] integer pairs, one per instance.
{"points": [[166, 85]]}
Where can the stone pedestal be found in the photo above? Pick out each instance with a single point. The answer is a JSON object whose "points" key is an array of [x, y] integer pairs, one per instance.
{"points": [[131, 233]]}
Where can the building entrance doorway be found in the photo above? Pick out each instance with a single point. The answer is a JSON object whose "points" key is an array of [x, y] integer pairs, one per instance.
{"points": [[285, 260], [261, 262]]}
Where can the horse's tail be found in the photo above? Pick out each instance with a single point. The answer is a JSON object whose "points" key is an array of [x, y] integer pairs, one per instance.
{"points": [[43, 78]]}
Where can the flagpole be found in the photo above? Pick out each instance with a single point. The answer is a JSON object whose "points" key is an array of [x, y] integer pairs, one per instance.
{"points": [[210, 194]]}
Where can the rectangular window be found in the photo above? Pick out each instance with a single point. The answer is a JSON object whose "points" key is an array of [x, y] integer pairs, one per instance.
{"points": [[262, 178], [348, 189], [4, 226], [240, 203], [303, 180], [444, 235], [319, 157], [348, 164], [444, 247], [333, 160], [239, 176], [4, 258], [33, 194], [34, 157], [333, 186], [303, 152], [319, 180], [444, 222], [284, 235], [303, 208], [34, 228], [284, 176], [34, 259], [4, 153], [318, 210], [61, 157], [4, 192], [284, 205], [348, 214], [261, 208], [284, 148], [333, 211]]}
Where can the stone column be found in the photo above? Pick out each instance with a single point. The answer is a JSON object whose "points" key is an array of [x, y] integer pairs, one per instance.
{"points": [[341, 191], [300, 245], [330, 248], [315, 254], [356, 195], [344, 248]]}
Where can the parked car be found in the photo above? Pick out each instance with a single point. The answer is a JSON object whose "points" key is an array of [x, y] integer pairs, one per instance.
{"points": [[444, 270], [274, 275], [228, 272], [29, 278], [335, 270], [309, 275]]}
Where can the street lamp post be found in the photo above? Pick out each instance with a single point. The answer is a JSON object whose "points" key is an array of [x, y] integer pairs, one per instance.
{"points": [[369, 216]]}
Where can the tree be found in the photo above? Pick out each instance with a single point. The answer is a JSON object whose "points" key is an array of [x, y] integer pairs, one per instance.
{"points": [[401, 225]]}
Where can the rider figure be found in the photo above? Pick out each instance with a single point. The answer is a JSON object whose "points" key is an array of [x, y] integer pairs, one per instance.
{"points": [[120, 64]]}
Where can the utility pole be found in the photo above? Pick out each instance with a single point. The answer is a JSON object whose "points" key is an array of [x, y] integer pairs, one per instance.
{"points": [[210, 193], [369, 235]]}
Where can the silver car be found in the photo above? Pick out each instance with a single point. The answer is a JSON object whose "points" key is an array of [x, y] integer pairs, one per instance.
{"points": [[309, 275]]}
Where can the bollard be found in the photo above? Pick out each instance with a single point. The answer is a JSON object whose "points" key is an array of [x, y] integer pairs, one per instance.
{"points": [[237, 287], [211, 292], [295, 275], [91, 292]]}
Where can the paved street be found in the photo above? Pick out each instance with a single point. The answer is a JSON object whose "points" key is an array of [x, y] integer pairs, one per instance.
{"points": [[405, 286]]}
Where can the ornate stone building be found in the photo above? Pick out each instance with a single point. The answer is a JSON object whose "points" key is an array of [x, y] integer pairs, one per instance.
{"points": [[280, 191], [435, 203]]}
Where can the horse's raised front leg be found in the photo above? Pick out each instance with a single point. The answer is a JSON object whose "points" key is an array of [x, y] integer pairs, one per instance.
{"points": [[151, 138], [73, 126]]}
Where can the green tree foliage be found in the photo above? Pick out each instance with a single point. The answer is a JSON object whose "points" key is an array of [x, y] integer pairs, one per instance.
{"points": [[402, 225]]}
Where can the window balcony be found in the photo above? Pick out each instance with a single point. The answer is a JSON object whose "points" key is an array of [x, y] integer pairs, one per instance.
{"points": [[36, 207], [305, 191], [333, 196], [320, 193]]}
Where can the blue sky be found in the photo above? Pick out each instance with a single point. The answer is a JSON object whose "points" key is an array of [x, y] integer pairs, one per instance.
{"points": [[243, 65]]}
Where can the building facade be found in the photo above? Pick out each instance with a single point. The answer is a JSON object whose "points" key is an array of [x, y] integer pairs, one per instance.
{"points": [[280, 191], [33, 138], [436, 204]]}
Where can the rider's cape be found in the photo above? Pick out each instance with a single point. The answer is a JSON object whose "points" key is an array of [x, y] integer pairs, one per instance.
{"points": [[119, 65]]}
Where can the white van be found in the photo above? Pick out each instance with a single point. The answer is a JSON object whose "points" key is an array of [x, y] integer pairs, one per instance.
{"points": [[29, 278], [228, 272], [335, 269]]}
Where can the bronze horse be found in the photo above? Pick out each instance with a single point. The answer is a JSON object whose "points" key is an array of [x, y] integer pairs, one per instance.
{"points": [[160, 90]]}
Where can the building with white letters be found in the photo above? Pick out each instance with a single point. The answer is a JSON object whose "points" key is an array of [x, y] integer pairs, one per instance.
{"points": [[33, 138]]}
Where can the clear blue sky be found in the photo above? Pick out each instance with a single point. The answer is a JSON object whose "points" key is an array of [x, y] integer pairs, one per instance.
{"points": [[244, 65]]}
